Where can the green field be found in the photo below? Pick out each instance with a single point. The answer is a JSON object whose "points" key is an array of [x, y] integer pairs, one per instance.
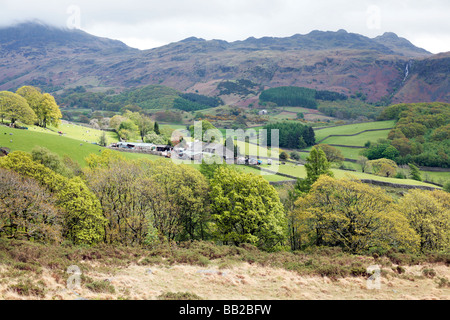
{"points": [[78, 150], [353, 128], [252, 149], [293, 170], [358, 140], [26, 140], [300, 109], [300, 172], [173, 126], [436, 177], [348, 153], [284, 115], [265, 175], [359, 175], [77, 132]]}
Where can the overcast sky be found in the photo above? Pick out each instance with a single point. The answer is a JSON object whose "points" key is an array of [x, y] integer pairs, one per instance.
{"points": [[148, 24]]}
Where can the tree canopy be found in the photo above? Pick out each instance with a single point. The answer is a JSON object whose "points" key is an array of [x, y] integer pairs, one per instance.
{"points": [[147, 201], [27, 210], [82, 219], [13, 107], [333, 154], [420, 136], [206, 127], [429, 215], [292, 135], [316, 165], [290, 96], [246, 209], [354, 216], [43, 104]]}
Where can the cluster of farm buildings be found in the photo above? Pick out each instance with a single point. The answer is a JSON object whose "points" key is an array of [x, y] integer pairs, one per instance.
{"points": [[190, 151]]}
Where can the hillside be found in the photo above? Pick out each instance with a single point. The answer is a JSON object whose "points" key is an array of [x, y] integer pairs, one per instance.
{"points": [[79, 142], [207, 272], [427, 80], [343, 62]]}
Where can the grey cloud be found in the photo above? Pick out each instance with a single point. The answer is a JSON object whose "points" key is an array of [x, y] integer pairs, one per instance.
{"points": [[171, 20]]}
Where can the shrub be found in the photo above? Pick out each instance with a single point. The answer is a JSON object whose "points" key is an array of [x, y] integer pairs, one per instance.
{"points": [[400, 270], [28, 288], [429, 273], [179, 296], [443, 283], [99, 286], [189, 257], [358, 271], [400, 175], [33, 267], [284, 155], [295, 155]]}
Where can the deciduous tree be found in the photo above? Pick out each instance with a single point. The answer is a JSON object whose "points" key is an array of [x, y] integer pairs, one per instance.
{"points": [[352, 215], [180, 200], [51, 160], [43, 105], [362, 161], [49, 113], [14, 107], [33, 96], [82, 220], [144, 123], [316, 165], [429, 215], [27, 210], [333, 154], [144, 199], [383, 167], [246, 209]]}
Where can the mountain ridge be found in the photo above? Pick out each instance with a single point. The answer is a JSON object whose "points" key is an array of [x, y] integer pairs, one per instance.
{"points": [[388, 43], [58, 58], [32, 33]]}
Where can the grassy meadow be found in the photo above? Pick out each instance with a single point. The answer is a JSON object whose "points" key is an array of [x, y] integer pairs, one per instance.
{"points": [[70, 144], [299, 171], [353, 128], [358, 140]]}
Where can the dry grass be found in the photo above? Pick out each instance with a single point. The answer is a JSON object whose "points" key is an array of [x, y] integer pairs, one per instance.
{"points": [[204, 271], [240, 282]]}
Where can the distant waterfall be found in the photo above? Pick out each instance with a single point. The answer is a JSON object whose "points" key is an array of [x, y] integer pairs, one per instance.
{"points": [[408, 66]]}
